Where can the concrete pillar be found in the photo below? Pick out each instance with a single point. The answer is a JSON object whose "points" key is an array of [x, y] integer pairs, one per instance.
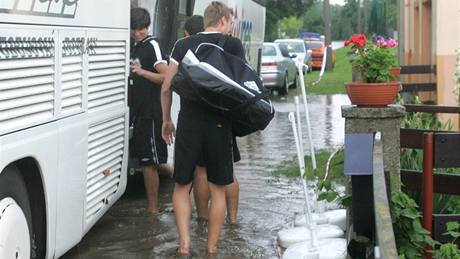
{"points": [[386, 120]]}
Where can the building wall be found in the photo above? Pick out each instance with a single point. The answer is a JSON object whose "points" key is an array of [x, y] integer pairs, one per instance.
{"points": [[431, 33], [447, 26]]}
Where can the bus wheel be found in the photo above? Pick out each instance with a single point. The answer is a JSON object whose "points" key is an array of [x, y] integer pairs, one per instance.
{"points": [[15, 216]]}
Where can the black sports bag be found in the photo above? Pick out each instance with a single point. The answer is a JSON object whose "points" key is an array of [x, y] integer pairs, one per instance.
{"points": [[226, 83]]}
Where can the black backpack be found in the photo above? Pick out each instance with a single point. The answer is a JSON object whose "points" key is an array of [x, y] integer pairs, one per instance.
{"points": [[227, 83]]}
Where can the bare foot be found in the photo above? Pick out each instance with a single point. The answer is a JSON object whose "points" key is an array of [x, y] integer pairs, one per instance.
{"points": [[152, 211], [232, 221], [212, 250], [183, 250]]}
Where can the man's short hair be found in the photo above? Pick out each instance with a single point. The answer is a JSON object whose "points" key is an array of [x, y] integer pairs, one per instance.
{"points": [[140, 18], [214, 12], [194, 24]]}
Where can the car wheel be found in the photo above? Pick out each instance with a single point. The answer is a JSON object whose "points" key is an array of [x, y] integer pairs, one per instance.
{"points": [[15, 216], [294, 83], [285, 87]]}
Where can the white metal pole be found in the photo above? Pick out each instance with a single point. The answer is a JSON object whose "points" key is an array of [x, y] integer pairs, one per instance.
{"points": [[307, 115], [323, 65], [299, 123], [300, 158]]}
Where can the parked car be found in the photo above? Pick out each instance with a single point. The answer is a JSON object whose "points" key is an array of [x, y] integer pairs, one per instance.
{"points": [[278, 68], [317, 47], [297, 47]]}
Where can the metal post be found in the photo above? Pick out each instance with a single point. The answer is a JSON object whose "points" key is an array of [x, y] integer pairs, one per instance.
{"points": [[307, 115], [428, 183], [299, 123], [311, 224]]}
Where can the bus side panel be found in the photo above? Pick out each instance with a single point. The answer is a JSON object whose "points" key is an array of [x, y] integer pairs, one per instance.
{"points": [[107, 122], [71, 179], [93, 145], [82, 13], [40, 143], [27, 76]]}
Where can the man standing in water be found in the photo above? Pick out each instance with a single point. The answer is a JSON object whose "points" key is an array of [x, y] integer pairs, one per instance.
{"points": [[147, 73], [202, 133], [193, 26]]}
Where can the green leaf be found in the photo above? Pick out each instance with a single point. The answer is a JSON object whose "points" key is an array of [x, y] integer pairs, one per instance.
{"points": [[452, 225]]}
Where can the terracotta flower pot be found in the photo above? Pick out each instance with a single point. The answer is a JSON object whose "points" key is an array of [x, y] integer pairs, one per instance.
{"points": [[395, 72], [372, 94]]}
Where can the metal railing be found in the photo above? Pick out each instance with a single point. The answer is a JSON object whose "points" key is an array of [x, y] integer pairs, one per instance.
{"points": [[384, 235]]}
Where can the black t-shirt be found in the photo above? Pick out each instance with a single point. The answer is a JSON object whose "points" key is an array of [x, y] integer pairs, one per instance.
{"points": [[143, 94], [232, 45]]}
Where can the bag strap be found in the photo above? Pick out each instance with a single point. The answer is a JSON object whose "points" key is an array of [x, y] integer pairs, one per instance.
{"points": [[222, 40], [250, 101]]}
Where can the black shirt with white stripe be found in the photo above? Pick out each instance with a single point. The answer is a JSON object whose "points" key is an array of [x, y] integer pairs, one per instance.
{"points": [[232, 45], [143, 94]]}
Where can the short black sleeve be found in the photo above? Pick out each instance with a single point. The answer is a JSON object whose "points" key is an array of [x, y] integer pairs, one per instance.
{"points": [[158, 56], [178, 52]]}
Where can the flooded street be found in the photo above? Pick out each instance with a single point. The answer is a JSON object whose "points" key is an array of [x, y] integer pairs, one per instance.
{"points": [[268, 203]]}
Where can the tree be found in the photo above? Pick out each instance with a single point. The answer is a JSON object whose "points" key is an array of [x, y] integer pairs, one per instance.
{"points": [[382, 17], [358, 10], [313, 19], [290, 26], [328, 33], [276, 10]]}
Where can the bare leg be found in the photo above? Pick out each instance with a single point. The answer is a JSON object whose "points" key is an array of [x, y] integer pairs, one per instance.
{"points": [[183, 211], [216, 215], [151, 188], [201, 192], [165, 169], [232, 192]]}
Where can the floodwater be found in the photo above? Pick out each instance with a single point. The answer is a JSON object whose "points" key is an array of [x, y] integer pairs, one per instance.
{"points": [[268, 203]]}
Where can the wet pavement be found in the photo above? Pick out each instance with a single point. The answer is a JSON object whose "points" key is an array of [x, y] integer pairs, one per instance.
{"points": [[268, 203]]}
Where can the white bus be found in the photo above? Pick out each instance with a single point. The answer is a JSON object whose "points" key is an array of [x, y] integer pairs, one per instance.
{"points": [[63, 120]]}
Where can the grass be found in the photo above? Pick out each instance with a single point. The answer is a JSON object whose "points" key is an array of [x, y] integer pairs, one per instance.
{"points": [[332, 81], [291, 168]]}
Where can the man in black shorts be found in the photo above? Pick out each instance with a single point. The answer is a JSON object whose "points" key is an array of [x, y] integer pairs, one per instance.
{"points": [[201, 133], [147, 73], [192, 26]]}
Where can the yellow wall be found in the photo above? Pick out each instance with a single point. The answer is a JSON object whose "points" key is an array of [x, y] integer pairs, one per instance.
{"points": [[447, 26], [431, 33]]}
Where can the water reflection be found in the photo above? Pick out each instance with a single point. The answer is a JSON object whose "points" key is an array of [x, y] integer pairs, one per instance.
{"points": [[267, 203]]}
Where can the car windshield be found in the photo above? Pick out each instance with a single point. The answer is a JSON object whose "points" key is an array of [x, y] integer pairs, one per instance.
{"points": [[268, 51], [293, 47], [313, 45]]}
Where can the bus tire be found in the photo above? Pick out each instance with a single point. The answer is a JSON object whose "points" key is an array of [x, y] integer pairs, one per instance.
{"points": [[15, 216]]}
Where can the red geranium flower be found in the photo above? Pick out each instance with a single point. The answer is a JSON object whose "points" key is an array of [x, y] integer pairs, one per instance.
{"points": [[358, 40], [363, 56]]}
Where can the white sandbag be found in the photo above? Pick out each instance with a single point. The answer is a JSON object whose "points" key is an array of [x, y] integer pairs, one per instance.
{"points": [[333, 217], [338, 218], [329, 248], [288, 237]]}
